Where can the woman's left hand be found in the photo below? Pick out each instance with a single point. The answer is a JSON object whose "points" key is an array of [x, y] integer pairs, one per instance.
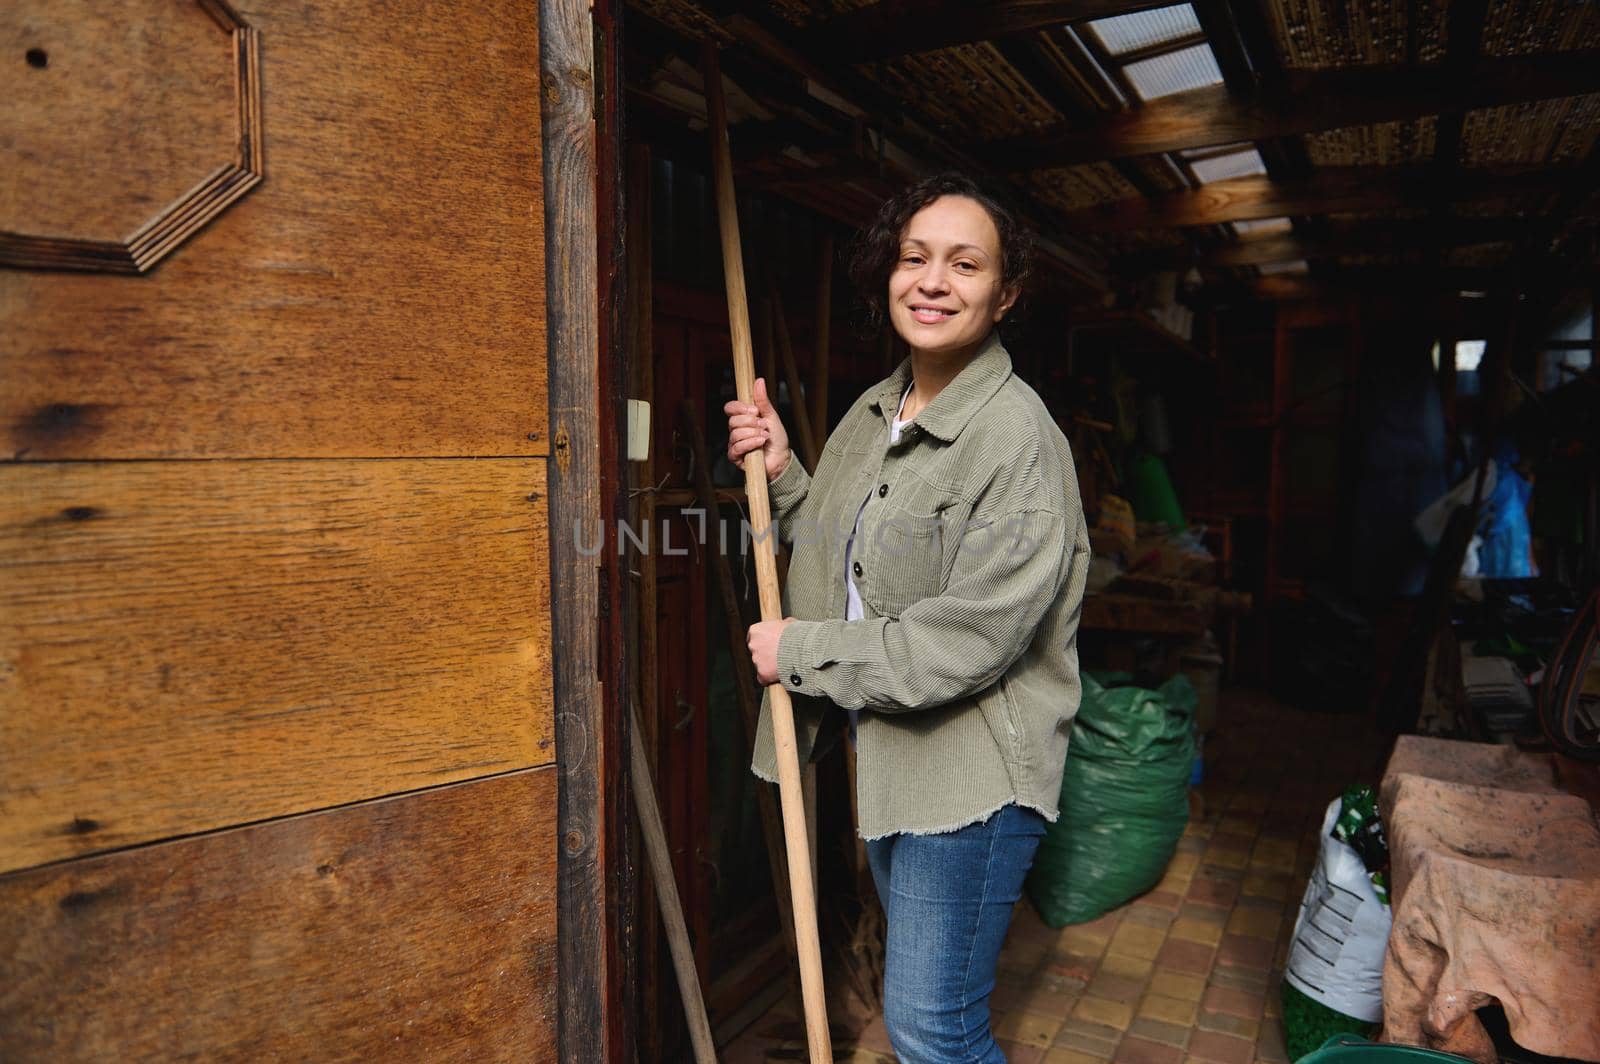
{"points": [[763, 643]]}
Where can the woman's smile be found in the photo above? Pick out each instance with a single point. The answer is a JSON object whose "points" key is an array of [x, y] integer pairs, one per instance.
{"points": [[931, 315]]}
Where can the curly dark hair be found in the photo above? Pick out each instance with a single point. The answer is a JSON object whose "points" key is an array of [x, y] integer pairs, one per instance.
{"points": [[877, 247]]}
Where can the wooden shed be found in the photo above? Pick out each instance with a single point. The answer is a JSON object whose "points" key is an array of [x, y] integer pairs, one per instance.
{"points": [[329, 581], [300, 373]]}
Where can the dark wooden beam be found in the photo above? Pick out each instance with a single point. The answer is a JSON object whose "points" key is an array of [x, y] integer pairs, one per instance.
{"points": [[584, 995], [1307, 102], [1326, 191], [894, 28], [1366, 239], [1287, 288]]}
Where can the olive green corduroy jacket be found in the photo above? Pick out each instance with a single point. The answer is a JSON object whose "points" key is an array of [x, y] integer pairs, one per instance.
{"points": [[970, 561]]}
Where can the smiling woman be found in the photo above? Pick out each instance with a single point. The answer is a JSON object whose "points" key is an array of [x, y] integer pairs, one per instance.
{"points": [[941, 629]]}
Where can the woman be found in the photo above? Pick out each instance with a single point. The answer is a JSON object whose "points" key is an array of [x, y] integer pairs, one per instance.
{"points": [[938, 569]]}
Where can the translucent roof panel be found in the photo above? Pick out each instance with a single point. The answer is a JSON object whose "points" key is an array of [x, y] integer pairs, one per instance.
{"points": [[1222, 167], [1125, 33], [1262, 227], [1180, 71]]}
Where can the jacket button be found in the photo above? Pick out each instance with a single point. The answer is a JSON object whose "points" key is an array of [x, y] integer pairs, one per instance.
{"points": [[794, 679], [856, 568], [883, 489]]}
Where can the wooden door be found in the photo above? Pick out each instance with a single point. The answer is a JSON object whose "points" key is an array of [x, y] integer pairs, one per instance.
{"points": [[278, 778]]}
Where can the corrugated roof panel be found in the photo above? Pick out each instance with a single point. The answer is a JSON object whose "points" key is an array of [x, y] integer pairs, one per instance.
{"points": [[1222, 167], [1527, 27], [1539, 134], [1124, 33], [1163, 75]]}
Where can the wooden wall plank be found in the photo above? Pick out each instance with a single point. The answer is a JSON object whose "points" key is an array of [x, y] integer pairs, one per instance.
{"points": [[587, 1008], [414, 928], [187, 645], [380, 293]]}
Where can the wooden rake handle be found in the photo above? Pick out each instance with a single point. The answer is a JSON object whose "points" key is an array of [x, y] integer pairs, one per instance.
{"points": [[801, 889]]}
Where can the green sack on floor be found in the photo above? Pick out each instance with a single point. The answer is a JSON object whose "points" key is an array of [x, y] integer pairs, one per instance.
{"points": [[1124, 799]]}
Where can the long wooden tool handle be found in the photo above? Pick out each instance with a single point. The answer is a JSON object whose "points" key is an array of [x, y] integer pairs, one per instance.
{"points": [[801, 889], [655, 848]]}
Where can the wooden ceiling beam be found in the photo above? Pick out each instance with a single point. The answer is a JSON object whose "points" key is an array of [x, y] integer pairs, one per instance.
{"points": [[1328, 190], [1308, 102], [893, 28], [1364, 239], [1286, 288]]}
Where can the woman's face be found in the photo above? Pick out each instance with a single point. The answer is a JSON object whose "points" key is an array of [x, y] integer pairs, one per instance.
{"points": [[945, 292]]}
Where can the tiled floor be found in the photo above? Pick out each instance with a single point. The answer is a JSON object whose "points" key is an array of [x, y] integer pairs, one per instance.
{"points": [[1189, 971]]}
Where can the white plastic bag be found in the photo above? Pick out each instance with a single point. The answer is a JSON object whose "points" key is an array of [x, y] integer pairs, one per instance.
{"points": [[1336, 957]]}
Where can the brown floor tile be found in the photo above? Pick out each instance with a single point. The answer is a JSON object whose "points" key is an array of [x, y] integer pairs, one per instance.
{"points": [[1020, 1053], [1088, 1037], [1222, 1023], [1208, 913], [1192, 958], [1245, 952], [1081, 941], [1194, 930], [1028, 1028], [1168, 1034], [1147, 916], [1221, 1048], [1231, 840], [1258, 923], [1117, 987], [1253, 979], [1063, 1055], [1207, 890], [1073, 966], [1165, 900], [1137, 940], [1241, 1003], [1269, 1043], [1104, 1011], [1178, 985], [1168, 1010], [1143, 1051], [1131, 967]]}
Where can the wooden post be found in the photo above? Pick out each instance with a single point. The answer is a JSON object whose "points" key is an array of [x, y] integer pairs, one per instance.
{"points": [[801, 888], [660, 858], [808, 449]]}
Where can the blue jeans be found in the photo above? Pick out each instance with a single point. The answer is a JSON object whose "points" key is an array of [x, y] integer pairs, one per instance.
{"points": [[948, 899]]}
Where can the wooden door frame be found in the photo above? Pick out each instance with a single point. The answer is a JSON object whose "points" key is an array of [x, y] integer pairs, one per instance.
{"points": [[582, 197]]}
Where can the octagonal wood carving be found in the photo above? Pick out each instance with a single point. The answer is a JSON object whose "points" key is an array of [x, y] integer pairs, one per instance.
{"points": [[124, 128]]}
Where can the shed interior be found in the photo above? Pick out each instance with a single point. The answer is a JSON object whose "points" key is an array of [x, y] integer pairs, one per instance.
{"points": [[1303, 267]]}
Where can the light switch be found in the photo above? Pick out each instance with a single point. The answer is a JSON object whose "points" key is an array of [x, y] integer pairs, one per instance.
{"points": [[638, 430]]}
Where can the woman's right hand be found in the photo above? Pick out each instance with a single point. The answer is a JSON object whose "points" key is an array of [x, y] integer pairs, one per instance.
{"points": [[753, 426]]}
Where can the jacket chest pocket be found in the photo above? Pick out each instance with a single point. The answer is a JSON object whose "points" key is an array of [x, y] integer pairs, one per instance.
{"points": [[901, 558]]}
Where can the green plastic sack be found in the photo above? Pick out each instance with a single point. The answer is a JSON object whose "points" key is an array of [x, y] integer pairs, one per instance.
{"points": [[1152, 495], [1124, 799]]}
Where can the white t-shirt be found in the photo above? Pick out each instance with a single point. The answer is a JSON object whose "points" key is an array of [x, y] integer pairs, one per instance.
{"points": [[852, 597]]}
